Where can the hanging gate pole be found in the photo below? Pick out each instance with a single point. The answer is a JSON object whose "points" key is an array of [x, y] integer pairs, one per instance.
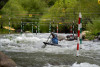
{"points": [[73, 29], [50, 28], [57, 28], [21, 27], [9, 25], [32, 27]]}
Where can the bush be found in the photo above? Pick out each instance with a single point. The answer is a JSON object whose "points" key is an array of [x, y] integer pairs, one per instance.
{"points": [[93, 28]]}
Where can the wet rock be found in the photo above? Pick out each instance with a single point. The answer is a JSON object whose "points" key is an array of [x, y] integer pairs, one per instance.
{"points": [[5, 61]]}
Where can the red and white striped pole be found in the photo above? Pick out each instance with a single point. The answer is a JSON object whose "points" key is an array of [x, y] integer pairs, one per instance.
{"points": [[78, 39], [57, 28]]}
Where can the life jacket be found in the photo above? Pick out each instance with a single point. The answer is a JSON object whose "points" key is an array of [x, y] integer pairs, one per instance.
{"points": [[55, 39]]}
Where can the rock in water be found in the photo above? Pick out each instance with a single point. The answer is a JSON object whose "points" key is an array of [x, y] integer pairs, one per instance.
{"points": [[5, 61]]}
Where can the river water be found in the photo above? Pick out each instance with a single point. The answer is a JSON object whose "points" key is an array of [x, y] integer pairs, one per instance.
{"points": [[25, 50]]}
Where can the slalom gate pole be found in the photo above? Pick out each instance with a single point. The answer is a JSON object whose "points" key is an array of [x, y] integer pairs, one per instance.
{"points": [[32, 28], [50, 28], [9, 25], [36, 28], [57, 28], [21, 26], [81, 32], [73, 29], [78, 39]]}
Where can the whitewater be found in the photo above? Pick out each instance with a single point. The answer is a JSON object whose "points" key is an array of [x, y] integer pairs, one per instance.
{"points": [[28, 46]]}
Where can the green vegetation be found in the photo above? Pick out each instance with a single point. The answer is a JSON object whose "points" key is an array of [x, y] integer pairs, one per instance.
{"points": [[94, 28], [3, 31], [55, 11], [2, 3]]}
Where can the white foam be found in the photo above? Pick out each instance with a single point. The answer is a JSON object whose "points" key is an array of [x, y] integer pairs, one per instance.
{"points": [[33, 43], [74, 65], [84, 65]]}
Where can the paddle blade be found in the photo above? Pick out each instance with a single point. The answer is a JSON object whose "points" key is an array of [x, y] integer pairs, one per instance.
{"points": [[43, 46]]}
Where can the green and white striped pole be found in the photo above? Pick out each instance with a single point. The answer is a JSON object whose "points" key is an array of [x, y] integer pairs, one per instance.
{"points": [[21, 27], [9, 25], [32, 27], [73, 29], [38, 28], [50, 28]]}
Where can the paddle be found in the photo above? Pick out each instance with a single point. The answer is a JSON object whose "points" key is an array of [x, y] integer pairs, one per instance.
{"points": [[46, 41]]}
